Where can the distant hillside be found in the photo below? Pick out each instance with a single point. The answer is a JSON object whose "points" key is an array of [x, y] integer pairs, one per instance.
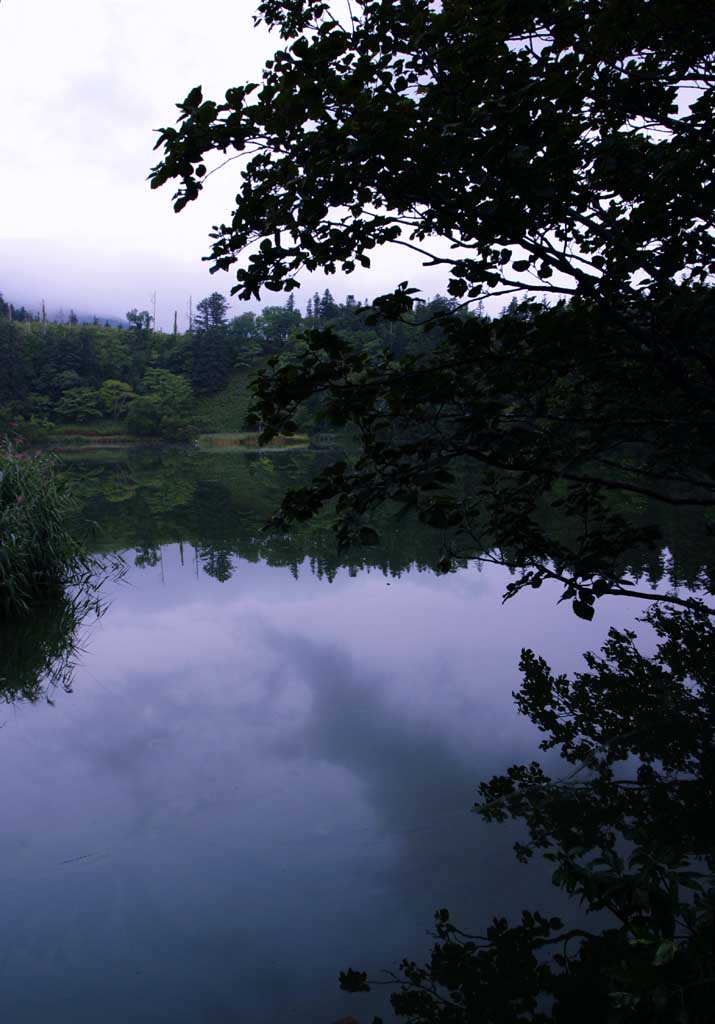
{"points": [[63, 368]]}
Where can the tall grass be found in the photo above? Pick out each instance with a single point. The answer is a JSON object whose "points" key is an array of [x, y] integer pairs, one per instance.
{"points": [[38, 553]]}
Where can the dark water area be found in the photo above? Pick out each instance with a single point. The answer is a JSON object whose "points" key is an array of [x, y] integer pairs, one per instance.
{"points": [[265, 768]]}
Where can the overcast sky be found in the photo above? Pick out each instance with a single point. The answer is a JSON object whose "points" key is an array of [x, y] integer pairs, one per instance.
{"points": [[84, 83]]}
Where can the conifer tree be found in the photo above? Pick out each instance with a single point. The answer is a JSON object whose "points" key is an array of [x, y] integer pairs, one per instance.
{"points": [[210, 348]]}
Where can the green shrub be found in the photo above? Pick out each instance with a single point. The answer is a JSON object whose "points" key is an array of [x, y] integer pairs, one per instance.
{"points": [[144, 417], [152, 416], [77, 405], [175, 428], [37, 551]]}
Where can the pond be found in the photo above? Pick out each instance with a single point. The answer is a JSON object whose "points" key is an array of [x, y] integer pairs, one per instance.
{"points": [[265, 768]]}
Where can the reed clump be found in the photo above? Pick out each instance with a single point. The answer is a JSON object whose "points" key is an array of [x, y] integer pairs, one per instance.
{"points": [[38, 552]]}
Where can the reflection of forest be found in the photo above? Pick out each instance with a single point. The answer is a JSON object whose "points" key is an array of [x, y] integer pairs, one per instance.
{"points": [[622, 815], [219, 503]]}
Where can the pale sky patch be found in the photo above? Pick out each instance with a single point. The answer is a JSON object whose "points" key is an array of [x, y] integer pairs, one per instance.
{"points": [[85, 85]]}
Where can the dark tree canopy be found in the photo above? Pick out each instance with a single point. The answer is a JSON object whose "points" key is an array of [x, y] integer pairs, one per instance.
{"points": [[556, 149], [140, 322], [211, 312], [559, 145]]}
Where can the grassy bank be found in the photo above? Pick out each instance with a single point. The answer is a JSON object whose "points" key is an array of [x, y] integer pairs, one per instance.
{"points": [[232, 440]]}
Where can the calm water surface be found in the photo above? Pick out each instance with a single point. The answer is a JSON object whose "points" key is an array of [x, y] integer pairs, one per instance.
{"points": [[259, 780]]}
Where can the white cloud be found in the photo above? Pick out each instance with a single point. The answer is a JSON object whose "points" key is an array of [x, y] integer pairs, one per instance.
{"points": [[85, 85]]}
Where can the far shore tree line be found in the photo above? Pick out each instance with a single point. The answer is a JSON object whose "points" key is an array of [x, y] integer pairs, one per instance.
{"points": [[54, 373]]}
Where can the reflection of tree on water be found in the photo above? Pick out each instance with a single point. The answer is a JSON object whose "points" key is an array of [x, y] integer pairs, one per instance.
{"points": [[219, 503], [629, 832], [216, 563], [147, 557], [39, 652], [629, 827]]}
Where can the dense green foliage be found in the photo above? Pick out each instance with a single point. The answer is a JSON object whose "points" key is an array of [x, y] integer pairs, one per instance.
{"points": [[38, 552], [52, 373]]}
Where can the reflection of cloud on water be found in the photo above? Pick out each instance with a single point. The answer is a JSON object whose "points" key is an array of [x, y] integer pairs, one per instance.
{"points": [[407, 689], [404, 693], [280, 774]]}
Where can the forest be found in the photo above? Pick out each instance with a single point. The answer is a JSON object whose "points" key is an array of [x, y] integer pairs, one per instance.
{"points": [[146, 381]]}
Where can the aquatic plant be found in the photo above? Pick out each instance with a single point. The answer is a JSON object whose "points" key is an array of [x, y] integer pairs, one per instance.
{"points": [[38, 551]]}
